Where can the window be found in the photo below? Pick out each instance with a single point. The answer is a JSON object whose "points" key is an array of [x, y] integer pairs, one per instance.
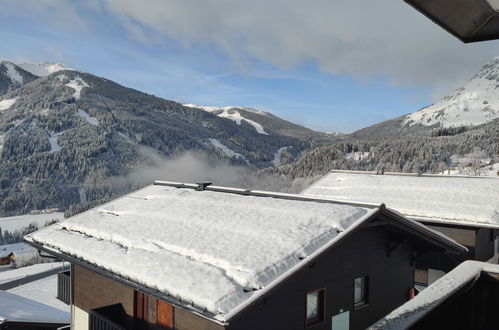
{"points": [[315, 306], [360, 291]]}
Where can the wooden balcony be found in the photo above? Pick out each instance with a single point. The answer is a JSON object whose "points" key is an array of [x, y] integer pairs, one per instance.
{"points": [[64, 287]]}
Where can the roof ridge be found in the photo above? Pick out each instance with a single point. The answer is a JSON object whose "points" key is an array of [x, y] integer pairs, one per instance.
{"points": [[413, 174], [262, 193]]}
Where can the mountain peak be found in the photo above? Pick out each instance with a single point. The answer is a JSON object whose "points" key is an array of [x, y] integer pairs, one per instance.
{"points": [[42, 69], [475, 103]]}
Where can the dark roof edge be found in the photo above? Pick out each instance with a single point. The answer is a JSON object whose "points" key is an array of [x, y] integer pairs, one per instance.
{"points": [[261, 193], [127, 282], [459, 223]]}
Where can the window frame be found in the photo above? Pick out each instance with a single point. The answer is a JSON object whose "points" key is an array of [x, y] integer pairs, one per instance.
{"points": [[321, 313], [364, 291]]}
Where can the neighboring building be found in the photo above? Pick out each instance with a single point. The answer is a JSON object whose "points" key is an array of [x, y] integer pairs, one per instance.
{"points": [[463, 208], [19, 313], [187, 256], [6, 259], [465, 298]]}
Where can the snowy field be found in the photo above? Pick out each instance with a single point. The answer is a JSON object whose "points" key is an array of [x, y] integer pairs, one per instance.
{"points": [[20, 221]]}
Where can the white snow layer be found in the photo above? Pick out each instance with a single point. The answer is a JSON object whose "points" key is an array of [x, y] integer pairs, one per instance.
{"points": [[231, 113], [54, 145], [43, 69], [277, 156], [20, 221], [77, 84], [44, 291], [357, 155], [20, 273], [475, 103], [466, 200], [226, 150], [88, 118], [19, 309], [7, 103], [404, 316], [212, 250], [12, 73]]}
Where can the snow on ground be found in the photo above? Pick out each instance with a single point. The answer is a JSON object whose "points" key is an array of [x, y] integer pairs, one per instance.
{"points": [[42, 69], [1, 143], [475, 103], [6, 104], [20, 221], [83, 196], [404, 316], [232, 114], [225, 248], [88, 118], [12, 73], [77, 84], [20, 309], [468, 200], [54, 145], [44, 291], [226, 150], [357, 155], [277, 156], [19, 273]]}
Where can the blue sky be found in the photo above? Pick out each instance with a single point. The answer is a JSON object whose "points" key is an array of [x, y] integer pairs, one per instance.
{"points": [[312, 65]]}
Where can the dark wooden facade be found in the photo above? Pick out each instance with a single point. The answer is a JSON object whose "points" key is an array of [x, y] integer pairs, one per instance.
{"points": [[382, 252], [474, 306]]}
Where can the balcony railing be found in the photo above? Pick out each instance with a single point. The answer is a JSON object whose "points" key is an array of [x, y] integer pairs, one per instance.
{"points": [[99, 322], [64, 287], [111, 317]]}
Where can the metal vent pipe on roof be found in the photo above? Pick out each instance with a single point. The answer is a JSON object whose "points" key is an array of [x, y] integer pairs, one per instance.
{"points": [[202, 185]]}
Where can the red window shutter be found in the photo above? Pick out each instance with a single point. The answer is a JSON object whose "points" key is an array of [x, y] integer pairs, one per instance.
{"points": [[164, 315]]}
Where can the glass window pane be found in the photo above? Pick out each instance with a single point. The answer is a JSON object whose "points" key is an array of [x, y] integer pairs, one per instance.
{"points": [[358, 294], [312, 306]]}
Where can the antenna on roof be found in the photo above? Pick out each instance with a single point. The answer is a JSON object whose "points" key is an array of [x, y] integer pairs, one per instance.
{"points": [[202, 185]]}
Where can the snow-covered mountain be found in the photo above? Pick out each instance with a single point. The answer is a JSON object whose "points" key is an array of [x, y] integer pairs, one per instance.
{"points": [[43, 69], [232, 113], [475, 103], [12, 76]]}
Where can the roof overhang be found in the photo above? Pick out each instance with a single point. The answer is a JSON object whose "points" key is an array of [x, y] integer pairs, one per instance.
{"points": [[468, 20]]}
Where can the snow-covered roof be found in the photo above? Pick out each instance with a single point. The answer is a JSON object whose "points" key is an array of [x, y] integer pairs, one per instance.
{"points": [[410, 312], [14, 308], [471, 201], [215, 250]]}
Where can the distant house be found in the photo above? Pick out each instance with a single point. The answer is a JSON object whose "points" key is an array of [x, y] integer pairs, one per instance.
{"points": [[6, 259], [188, 256], [463, 208], [465, 298], [19, 313]]}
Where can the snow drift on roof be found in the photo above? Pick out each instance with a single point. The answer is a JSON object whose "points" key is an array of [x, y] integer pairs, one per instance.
{"points": [[14, 308], [465, 200], [211, 250], [405, 315]]}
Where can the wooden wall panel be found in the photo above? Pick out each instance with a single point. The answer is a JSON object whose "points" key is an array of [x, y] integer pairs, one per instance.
{"points": [[185, 320], [92, 290], [164, 315]]}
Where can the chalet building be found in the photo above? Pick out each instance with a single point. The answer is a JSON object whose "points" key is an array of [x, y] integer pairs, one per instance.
{"points": [[197, 256], [464, 208], [6, 259], [465, 298]]}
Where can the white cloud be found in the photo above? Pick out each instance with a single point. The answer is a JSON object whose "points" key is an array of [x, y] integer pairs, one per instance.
{"points": [[357, 37]]}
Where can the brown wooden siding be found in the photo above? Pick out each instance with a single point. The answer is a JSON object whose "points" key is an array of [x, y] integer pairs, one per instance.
{"points": [[164, 315], [92, 290], [185, 320]]}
